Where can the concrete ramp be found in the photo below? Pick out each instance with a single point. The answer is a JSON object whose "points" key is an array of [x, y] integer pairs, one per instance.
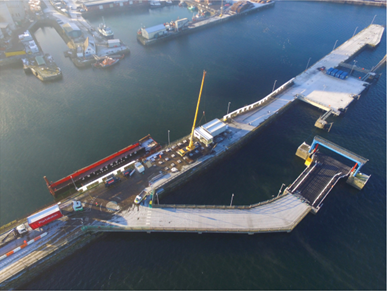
{"points": [[281, 214]]}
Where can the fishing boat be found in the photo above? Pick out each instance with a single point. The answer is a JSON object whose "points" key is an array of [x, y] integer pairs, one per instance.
{"points": [[107, 62], [105, 30]]}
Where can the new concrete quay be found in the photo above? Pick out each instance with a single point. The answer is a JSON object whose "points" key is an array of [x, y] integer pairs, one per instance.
{"points": [[107, 189]]}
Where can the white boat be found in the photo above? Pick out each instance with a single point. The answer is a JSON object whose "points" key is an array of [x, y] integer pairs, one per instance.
{"points": [[167, 2], [105, 30], [154, 4]]}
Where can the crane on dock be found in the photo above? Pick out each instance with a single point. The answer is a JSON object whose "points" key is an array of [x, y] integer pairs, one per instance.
{"points": [[182, 152]]}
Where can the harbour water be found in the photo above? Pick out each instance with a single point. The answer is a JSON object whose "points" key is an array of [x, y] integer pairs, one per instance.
{"points": [[55, 128]]}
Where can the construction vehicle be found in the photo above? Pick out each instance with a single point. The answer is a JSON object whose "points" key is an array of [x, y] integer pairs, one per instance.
{"points": [[182, 152]]}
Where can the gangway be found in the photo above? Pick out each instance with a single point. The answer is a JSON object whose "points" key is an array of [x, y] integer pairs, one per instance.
{"points": [[382, 62], [375, 68], [317, 180], [322, 123]]}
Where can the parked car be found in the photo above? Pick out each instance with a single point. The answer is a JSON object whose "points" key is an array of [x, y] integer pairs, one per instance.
{"points": [[111, 181]]}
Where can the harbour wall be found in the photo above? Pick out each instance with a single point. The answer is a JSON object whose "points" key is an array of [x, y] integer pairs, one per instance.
{"points": [[37, 263], [147, 42]]}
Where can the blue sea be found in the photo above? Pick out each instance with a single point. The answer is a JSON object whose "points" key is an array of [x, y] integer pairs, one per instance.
{"points": [[52, 129]]}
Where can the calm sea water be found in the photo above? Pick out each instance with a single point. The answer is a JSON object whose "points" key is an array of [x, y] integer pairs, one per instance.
{"points": [[56, 128]]}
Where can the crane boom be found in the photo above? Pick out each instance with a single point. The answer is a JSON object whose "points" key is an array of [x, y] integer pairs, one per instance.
{"points": [[190, 147]]}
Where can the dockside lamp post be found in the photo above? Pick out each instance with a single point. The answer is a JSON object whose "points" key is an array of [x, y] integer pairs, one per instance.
{"points": [[354, 31], [275, 82], [232, 197], [307, 64], [335, 45], [228, 107], [373, 19], [169, 141], [353, 67]]}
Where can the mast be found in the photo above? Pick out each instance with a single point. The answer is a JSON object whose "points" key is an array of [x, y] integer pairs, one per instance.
{"points": [[191, 146]]}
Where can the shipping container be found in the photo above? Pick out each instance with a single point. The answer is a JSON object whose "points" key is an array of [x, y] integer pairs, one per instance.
{"points": [[338, 73], [329, 71], [344, 75], [114, 42], [333, 72], [153, 32], [44, 217]]}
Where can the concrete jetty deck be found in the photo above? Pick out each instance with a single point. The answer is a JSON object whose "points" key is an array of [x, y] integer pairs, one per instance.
{"points": [[280, 214], [330, 93]]}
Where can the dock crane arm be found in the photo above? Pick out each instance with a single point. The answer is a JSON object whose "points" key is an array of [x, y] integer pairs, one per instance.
{"points": [[190, 147]]}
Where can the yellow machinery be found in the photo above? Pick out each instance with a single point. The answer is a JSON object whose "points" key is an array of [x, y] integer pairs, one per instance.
{"points": [[182, 152]]}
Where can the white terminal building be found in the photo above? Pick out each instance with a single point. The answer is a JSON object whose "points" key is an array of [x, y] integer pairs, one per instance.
{"points": [[208, 131]]}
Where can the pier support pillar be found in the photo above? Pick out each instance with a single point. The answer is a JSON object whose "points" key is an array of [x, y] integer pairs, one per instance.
{"points": [[303, 151], [358, 181]]}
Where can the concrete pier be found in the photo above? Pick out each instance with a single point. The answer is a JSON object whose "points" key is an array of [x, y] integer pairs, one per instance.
{"points": [[281, 214]]}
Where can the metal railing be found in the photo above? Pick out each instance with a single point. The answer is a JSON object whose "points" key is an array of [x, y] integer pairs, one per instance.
{"points": [[258, 103]]}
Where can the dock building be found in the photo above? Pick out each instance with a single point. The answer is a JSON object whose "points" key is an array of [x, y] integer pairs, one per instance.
{"points": [[208, 131]]}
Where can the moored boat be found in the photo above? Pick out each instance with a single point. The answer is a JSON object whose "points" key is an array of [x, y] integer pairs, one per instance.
{"points": [[154, 4], [105, 30], [107, 62]]}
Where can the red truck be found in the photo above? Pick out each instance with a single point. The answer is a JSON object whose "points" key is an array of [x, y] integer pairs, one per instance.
{"points": [[44, 217]]}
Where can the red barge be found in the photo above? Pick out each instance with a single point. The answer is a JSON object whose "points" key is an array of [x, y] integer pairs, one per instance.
{"points": [[138, 151]]}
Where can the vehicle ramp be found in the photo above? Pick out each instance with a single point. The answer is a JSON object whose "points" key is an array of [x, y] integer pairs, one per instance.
{"points": [[317, 180]]}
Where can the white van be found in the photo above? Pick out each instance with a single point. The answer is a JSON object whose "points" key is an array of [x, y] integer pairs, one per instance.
{"points": [[139, 167]]}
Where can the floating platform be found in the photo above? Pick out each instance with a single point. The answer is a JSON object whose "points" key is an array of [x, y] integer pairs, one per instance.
{"points": [[43, 67]]}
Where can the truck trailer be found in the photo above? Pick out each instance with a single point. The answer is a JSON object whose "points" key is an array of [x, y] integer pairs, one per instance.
{"points": [[44, 217]]}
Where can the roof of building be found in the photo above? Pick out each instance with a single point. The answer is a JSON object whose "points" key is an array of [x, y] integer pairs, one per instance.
{"points": [[214, 126], [204, 133]]}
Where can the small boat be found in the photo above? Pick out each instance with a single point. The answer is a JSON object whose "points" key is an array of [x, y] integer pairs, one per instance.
{"points": [[154, 4], [105, 30], [182, 4], [107, 62], [168, 2]]}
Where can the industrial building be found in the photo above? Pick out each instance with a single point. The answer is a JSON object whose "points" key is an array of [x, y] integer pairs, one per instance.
{"points": [[208, 131]]}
